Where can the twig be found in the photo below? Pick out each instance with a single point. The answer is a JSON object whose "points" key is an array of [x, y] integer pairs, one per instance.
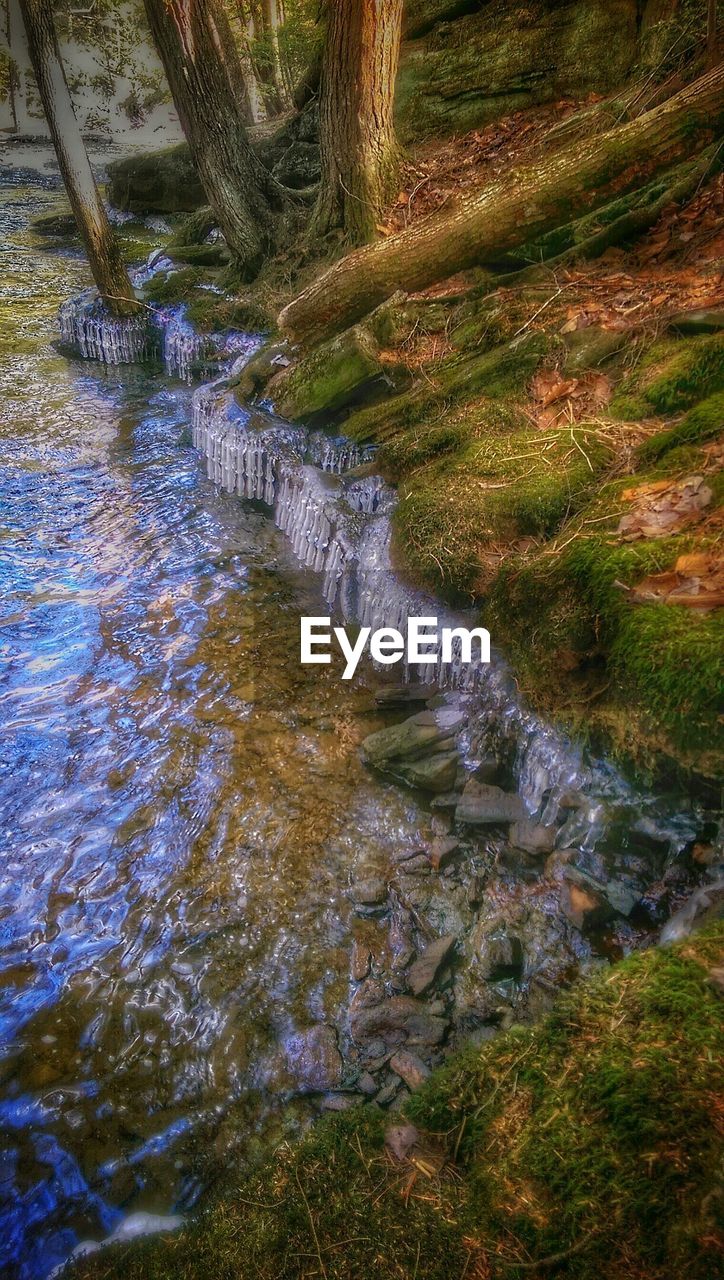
{"points": [[554, 1258], [311, 1223]]}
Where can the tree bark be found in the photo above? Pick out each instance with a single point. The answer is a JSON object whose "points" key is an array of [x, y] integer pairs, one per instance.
{"points": [[360, 157], [480, 225], [104, 255], [249, 204], [712, 40], [270, 11]]}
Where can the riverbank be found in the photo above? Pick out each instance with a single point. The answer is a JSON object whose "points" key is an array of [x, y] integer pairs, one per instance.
{"points": [[553, 431], [588, 1145]]}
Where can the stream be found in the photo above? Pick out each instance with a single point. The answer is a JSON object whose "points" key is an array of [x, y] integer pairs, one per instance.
{"points": [[184, 808]]}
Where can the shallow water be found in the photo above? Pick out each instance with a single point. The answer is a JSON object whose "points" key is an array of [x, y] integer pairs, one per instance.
{"points": [[181, 803]]}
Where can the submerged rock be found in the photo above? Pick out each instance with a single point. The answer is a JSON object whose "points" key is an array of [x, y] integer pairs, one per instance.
{"points": [[313, 1059], [583, 900], [401, 1018], [482, 804], [425, 969]]}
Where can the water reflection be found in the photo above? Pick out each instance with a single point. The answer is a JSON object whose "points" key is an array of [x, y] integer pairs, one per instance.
{"points": [[181, 804]]}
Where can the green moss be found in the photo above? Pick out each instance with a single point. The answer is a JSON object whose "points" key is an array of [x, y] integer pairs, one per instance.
{"points": [[672, 376], [702, 423], [176, 287], [499, 488], [590, 1135], [567, 620]]}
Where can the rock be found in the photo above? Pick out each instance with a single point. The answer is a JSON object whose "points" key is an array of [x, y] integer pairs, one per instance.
{"points": [[313, 1059], [425, 969], [449, 800], [442, 851], [369, 893], [395, 1020], [437, 773], [420, 735], [487, 770], [163, 181], [693, 322], [409, 1068], [622, 896], [532, 837], [300, 166], [401, 695], [499, 954], [367, 1084], [340, 1101], [715, 978], [360, 962], [704, 905], [400, 1140], [484, 805], [388, 1093], [57, 223], [583, 900]]}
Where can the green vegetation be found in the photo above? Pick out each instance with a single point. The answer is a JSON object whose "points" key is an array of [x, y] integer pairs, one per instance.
{"points": [[671, 376], [591, 1138]]}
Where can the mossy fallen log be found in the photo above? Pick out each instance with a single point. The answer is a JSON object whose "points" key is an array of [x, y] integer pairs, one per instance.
{"points": [[482, 224]]}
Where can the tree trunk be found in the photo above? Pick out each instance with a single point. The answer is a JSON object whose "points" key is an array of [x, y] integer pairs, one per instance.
{"points": [[249, 204], [480, 225], [103, 251], [360, 157], [712, 41], [270, 11]]}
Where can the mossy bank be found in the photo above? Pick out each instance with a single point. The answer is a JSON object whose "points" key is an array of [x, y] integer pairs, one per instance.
{"points": [[587, 1146]]}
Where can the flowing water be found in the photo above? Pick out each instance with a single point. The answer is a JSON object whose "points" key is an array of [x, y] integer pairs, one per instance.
{"points": [[182, 804]]}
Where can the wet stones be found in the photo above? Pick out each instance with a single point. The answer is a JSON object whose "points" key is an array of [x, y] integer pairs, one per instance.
{"points": [[398, 1020], [531, 837], [421, 751], [425, 970], [313, 1060], [369, 893], [483, 804], [583, 900], [411, 1069]]}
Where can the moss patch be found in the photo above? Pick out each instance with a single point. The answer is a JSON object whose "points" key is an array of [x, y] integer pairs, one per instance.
{"points": [[672, 376], [592, 1136]]}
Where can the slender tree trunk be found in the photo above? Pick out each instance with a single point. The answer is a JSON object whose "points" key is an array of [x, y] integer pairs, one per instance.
{"points": [[712, 41], [249, 204], [481, 224], [360, 157], [101, 245], [270, 11]]}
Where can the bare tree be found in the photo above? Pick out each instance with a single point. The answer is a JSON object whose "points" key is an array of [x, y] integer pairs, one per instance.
{"points": [[104, 254]]}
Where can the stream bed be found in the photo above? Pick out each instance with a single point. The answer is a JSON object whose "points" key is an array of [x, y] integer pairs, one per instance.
{"points": [[208, 904]]}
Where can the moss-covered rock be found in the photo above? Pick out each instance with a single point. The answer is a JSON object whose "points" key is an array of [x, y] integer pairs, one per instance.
{"points": [[483, 64], [589, 1138], [163, 181]]}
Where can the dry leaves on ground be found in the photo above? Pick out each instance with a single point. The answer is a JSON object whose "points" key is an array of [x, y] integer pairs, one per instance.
{"points": [[560, 400], [663, 507], [696, 581]]}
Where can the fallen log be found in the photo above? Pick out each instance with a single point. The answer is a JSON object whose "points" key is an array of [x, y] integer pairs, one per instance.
{"points": [[479, 226]]}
